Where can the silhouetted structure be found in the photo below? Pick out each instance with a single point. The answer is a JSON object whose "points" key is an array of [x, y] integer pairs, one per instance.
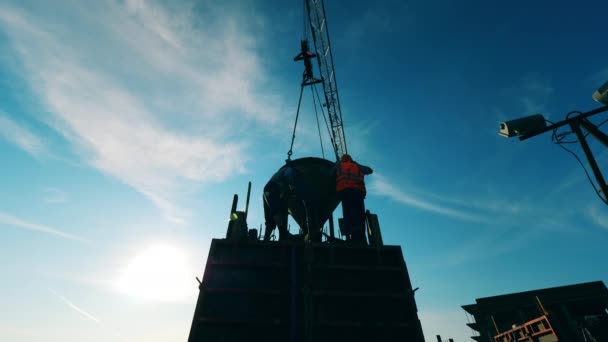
{"points": [[303, 292], [570, 313]]}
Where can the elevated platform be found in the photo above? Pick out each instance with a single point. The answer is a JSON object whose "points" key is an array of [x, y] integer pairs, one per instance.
{"points": [[300, 292]]}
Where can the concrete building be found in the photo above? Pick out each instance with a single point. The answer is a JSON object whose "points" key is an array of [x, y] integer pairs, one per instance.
{"points": [[567, 313]]}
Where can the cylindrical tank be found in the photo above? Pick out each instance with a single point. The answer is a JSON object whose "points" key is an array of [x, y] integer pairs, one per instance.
{"points": [[315, 196]]}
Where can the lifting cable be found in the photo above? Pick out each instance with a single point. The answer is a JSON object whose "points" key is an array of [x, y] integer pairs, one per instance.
{"points": [[318, 125], [329, 131], [295, 124]]}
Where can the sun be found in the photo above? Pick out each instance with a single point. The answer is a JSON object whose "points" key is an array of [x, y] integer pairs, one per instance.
{"points": [[160, 272]]}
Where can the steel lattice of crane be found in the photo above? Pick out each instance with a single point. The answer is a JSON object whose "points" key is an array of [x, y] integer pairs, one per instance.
{"points": [[320, 36]]}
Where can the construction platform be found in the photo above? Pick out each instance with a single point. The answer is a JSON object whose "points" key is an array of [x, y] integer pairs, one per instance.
{"points": [[300, 292]]}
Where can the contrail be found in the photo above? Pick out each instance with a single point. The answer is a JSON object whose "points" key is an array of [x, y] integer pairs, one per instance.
{"points": [[73, 306], [87, 315], [17, 222]]}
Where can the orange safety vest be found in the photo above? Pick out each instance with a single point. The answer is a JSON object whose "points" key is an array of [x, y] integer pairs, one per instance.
{"points": [[349, 177]]}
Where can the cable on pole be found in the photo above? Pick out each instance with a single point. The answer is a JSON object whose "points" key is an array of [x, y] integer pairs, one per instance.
{"points": [[557, 139]]}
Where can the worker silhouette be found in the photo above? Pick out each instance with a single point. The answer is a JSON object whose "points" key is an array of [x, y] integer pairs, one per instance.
{"points": [[306, 55], [276, 195], [351, 191], [288, 188]]}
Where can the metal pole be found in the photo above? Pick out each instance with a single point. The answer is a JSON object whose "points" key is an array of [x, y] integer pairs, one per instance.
{"points": [[331, 226], [564, 122], [247, 202], [594, 167], [593, 130]]}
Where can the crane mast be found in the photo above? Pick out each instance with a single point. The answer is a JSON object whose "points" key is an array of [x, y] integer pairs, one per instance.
{"points": [[320, 36]]}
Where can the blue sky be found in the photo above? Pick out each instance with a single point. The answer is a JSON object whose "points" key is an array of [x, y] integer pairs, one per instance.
{"points": [[127, 126]]}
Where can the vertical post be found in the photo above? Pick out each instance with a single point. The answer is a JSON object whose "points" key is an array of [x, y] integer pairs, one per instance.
{"points": [[293, 295], [596, 170], [247, 202], [332, 232], [540, 305], [495, 326], [235, 200], [439, 338]]}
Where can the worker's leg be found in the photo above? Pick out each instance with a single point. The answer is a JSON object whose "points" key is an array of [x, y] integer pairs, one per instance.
{"points": [[281, 218], [271, 198], [358, 232], [348, 199]]}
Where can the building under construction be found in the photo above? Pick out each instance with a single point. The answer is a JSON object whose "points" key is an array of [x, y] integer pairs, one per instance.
{"points": [[573, 313]]}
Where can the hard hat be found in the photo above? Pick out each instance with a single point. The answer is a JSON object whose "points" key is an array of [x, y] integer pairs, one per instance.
{"points": [[346, 157]]}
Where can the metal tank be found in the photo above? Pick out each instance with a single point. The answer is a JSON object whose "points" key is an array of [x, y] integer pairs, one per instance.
{"points": [[315, 197]]}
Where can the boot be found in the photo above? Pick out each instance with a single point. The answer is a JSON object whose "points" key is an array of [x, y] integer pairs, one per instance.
{"points": [[358, 236], [268, 231], [284, 235]]}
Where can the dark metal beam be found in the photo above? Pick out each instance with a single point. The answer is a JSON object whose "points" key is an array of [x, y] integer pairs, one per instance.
{"points": [[564, 122], [593, 130], [594, 167]]}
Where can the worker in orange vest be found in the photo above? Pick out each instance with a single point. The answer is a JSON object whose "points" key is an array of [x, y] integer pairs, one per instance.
{"points": [[351, 190]]}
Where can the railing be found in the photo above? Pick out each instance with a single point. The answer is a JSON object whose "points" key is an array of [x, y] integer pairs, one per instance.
{"points": [[530, 331]]}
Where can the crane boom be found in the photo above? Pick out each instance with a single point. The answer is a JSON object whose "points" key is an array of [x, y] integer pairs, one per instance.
{"points": [[320, 36]]}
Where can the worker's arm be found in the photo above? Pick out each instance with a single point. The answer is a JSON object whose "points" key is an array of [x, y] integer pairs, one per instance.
{"points": [[334, 169], [365, 169]]}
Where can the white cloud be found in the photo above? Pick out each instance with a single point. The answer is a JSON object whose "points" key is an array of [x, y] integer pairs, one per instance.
{"points": [[21, 137], [382, 186], [11, 220], [598, 216], [144, 94], [54, 195], [537, 95]]}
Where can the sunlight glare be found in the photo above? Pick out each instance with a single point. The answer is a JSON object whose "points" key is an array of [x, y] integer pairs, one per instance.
{"points": [[160, 272]]}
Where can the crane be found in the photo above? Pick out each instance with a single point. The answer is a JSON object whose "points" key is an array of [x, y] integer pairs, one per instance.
{"points": [[315, 17], [301, 290]]}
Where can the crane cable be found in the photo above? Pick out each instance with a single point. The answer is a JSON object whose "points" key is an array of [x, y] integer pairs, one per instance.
{"points": [[324, 117], [318, 125], [329, 130], [295, 124], [316, 99]]}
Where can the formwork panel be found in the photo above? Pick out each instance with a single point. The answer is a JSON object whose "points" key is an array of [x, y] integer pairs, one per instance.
{"points": [[297, 292]]}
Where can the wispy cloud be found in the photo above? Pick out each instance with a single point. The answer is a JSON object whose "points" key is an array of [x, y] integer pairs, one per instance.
{"points": [[75, 308], [598, 216], [54, 195], [10, 220], [599, 77], [161, 100], [20, 136], [383, 187], [536, 95]]}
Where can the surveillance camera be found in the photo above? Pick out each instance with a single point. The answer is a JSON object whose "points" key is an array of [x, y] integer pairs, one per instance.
{"points": [[522, 126], [601, 95]]}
